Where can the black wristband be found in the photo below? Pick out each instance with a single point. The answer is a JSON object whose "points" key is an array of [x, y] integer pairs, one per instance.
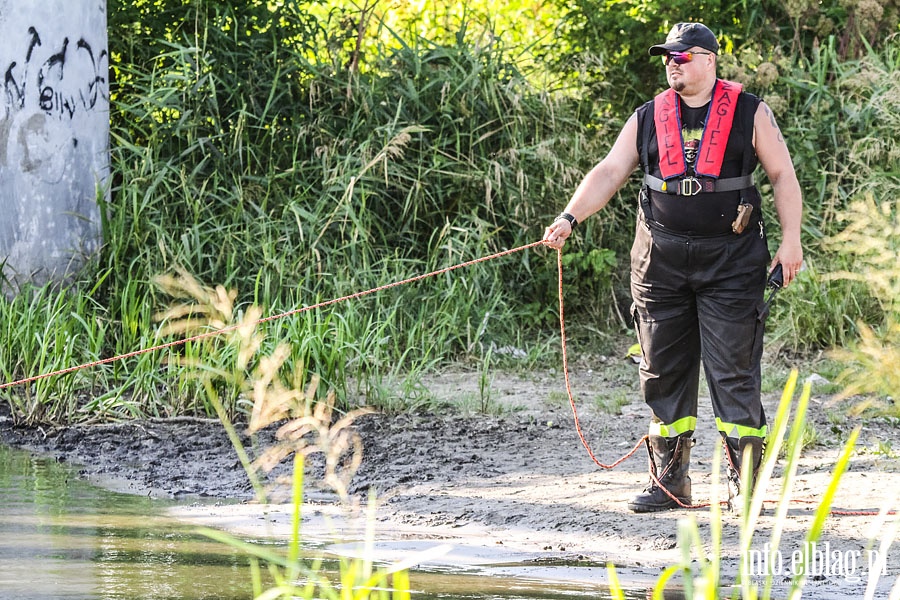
{"points": [[572, 220]]}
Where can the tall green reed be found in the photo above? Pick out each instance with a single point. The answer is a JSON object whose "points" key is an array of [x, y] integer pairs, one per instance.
{"points": [[870, 237], [837, 116], [860, 224], [240, 159], [47, 330]]}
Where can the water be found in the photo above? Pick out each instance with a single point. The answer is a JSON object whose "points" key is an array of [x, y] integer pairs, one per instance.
{"points": [[63, 538]]}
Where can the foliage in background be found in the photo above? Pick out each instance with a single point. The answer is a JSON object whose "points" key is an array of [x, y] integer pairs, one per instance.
{"points": [[836, 116], [242, 156], [612, 38], [872, 238], [299, 152]]}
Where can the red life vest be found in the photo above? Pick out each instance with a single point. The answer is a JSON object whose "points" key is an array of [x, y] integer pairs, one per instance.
{"points": [[711, 153]]}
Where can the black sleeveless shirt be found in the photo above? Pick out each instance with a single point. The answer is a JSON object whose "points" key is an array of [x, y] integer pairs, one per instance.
{"points": [[707, 213]]}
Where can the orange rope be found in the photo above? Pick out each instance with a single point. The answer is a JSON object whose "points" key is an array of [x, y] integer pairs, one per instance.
{"points": [[565, 358], [562, 327], [264, 320], [584, 442]]}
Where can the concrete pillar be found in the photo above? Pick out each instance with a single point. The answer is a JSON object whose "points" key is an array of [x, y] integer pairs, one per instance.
{"points": [[54, 137]]}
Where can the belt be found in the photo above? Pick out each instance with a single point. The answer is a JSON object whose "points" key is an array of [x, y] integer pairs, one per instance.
{"points": [[691, 186]]}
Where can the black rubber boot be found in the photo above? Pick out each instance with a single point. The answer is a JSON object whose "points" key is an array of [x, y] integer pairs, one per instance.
{"points": [[669, 462], [735, 449]]}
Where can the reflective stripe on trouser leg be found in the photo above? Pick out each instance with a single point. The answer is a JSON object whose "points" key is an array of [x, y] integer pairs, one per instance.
{"points": [[735, 431], [682, 426]]}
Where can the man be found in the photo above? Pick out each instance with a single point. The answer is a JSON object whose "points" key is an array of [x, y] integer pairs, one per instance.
{"points": [[700, 259]]}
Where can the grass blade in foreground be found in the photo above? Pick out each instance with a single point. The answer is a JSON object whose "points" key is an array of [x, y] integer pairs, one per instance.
{"points": [[822, 513]]}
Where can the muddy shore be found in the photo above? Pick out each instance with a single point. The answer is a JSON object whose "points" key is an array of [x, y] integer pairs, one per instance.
{"points": [[518, 480]]}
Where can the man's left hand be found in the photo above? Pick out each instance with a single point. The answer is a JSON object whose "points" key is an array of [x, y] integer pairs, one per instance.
{"points": [[791, 258]]}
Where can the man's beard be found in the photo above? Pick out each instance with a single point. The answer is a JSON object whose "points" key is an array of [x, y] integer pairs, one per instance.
{"points": [[678, 86]]}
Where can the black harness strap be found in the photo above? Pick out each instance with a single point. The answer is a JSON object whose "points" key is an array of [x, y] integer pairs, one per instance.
{"points": [[691, 186]]}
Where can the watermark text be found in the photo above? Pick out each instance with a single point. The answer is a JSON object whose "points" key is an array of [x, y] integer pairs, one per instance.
{"points": [[816, 559]]}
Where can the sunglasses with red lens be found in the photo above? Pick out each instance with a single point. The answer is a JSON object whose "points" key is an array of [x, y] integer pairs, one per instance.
{"points": [[680, 58]]}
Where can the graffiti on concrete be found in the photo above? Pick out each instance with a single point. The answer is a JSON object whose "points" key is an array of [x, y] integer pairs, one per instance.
{"points": [[54, 126], [45, 88], [56, 94]]}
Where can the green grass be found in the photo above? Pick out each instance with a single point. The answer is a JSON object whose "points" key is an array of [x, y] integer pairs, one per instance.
{"points": [[612, 402]]}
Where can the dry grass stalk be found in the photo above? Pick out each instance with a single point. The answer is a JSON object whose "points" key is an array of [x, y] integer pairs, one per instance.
{"points": [[306, 423]]}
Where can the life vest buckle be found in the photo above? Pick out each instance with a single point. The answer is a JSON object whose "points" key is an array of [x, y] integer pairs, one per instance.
{"points": [[689, 186]]}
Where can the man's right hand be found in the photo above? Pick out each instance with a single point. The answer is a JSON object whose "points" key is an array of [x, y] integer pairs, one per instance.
{"points": [[556, 234]]}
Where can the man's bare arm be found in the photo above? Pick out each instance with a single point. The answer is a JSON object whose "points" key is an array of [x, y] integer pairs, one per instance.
{"points": [[776, 162]]}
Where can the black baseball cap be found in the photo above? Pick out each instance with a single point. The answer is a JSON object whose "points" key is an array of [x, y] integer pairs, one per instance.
{"points": [[687, 35]]}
